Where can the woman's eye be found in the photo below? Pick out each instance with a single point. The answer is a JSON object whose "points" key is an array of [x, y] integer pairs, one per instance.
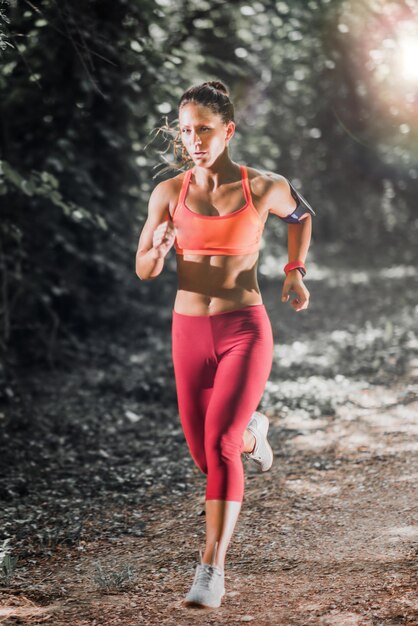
{"points": [[188, 131]]}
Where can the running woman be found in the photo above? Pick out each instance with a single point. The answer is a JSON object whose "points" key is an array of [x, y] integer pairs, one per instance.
{"points": [[222, 342]]}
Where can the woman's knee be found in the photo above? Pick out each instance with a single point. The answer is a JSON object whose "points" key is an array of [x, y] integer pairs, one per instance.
{"points": [[226, 447]]}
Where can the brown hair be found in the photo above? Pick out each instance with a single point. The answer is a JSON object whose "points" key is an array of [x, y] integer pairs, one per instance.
{"points": [[212, 94]]}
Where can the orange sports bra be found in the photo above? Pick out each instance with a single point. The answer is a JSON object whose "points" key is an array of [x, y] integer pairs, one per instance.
{"points": [[239, 232]]}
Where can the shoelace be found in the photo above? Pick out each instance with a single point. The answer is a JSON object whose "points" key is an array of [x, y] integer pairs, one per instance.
{"points": [[205, 576]]}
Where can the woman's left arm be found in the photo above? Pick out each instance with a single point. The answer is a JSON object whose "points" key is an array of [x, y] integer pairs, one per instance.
{"points": [[299, 238], [285, 202]]}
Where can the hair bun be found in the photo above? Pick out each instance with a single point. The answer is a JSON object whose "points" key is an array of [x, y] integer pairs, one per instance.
{"points": [[216, 84]]}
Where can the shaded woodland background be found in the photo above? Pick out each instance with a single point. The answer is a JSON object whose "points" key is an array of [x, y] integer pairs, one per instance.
{"points": [[83, 85], [93, 462]]}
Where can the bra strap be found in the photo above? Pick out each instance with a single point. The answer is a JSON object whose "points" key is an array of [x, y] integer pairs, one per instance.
{"points": [[246, 184], [185, 185], [183, 190]]}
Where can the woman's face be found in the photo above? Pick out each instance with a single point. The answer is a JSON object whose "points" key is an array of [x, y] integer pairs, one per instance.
{"points": [[203, 133]]}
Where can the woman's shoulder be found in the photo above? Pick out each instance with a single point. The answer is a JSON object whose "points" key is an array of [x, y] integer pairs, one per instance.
{"points": [[262, 181], [260, 174], [166, 193], [170, 186]]}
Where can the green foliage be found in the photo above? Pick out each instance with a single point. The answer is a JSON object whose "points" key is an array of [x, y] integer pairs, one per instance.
{"points": [[4, 21], [115, 579], [50, 537], [46, 185], [84, 84], [7, 562]]}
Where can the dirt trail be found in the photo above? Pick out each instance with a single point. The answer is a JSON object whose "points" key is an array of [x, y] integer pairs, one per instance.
{"points": [[328, 537]]}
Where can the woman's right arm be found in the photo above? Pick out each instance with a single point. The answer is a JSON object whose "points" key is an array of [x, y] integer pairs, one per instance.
{"points": [[158, 234]]}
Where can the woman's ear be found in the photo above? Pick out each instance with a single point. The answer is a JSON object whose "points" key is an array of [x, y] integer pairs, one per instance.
{"points": [[230, 130]]}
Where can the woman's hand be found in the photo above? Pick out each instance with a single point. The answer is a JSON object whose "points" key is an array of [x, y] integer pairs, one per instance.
{"points": [[163, 239], [294, 282]]}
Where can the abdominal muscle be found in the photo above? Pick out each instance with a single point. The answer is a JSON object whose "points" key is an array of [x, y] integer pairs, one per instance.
{"points": [[215, 284]]}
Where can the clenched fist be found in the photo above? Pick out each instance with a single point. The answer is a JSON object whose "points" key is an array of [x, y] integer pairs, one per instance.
{"points": [[293, 282], [163, 238]]}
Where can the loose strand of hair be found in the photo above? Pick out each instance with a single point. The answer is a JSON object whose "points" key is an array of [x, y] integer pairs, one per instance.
{"points": [[171, 135]]}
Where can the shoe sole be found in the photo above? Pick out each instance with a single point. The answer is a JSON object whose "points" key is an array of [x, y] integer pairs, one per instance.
{"points": [[266, 469], [266, 421], [197, 605], [268, 445]]}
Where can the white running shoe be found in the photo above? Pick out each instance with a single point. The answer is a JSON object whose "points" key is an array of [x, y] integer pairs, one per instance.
{"points": [[262, 454], [208, 587]]}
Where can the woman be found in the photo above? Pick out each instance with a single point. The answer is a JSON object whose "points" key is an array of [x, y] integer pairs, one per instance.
{"points": [[222, 341]]}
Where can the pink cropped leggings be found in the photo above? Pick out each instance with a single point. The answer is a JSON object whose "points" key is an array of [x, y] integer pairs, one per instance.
{"points": [[221, 365]]}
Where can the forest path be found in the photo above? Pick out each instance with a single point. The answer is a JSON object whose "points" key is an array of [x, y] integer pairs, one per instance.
{"points": [[329, 536]]}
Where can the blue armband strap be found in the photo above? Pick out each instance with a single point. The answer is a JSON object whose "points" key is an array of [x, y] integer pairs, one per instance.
{"points": [[302, 207]]}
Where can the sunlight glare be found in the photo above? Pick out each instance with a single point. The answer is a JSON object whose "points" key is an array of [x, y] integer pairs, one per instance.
{"points": [[409, 58]]}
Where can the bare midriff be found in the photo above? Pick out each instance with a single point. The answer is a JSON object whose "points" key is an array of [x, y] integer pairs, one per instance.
{"points": [[210, 284]]}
